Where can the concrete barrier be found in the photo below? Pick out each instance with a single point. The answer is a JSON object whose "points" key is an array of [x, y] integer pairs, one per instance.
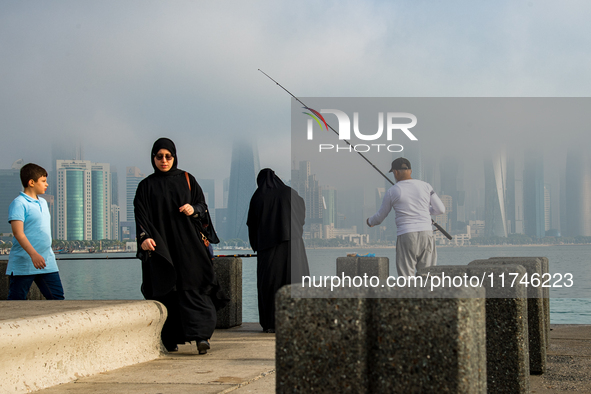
{"points": [[397, 340], [34, 292], [360, 266], [536, 311], [507, 354], [229, 273], [545, 290], [45, 343]]}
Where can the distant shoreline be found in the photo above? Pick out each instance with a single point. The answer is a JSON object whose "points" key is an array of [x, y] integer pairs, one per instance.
{"points": [[441, 246]]}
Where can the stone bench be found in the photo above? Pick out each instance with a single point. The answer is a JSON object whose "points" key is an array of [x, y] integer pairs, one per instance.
{"points": [[45, 343], [397, 340], [507, 355], [229, 273], [536, 311]]}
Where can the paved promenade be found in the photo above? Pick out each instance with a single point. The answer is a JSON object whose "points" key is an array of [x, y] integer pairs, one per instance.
{"points": [[242, 360]]}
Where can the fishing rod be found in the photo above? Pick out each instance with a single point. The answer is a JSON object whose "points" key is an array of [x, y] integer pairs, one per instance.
{"points": [[437, 226]]}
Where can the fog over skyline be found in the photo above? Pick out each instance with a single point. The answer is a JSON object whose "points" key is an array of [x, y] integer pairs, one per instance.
{"points": [[115, 76]]}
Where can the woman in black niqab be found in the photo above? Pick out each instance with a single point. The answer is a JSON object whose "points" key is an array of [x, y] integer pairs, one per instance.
{"points": [[275, 227], [176, 268]]}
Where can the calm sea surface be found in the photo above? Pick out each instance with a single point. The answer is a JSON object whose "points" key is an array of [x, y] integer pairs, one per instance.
{"points": [[120, 279]]}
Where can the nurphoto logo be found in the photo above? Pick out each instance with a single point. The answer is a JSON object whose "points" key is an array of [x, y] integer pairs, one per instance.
{"points": [[344, 130]]}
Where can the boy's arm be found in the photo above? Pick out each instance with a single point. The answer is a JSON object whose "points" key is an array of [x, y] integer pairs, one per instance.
{"points": [[18, 230]]}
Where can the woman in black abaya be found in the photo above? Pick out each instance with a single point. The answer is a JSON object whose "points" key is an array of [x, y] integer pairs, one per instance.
{"points": [[275, 226], [170, 211]]}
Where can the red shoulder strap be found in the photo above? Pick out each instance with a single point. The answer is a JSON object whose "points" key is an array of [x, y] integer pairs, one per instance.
{"points": [[187, 176]]}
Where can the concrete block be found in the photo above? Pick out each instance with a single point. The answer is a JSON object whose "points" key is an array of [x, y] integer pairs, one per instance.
{"points": [[360, 266], [507, 352], [229, 273], [34, 292], [381, 340], [536, 319], [63, 341], [321, 343], [428, 341], [545, 292]]}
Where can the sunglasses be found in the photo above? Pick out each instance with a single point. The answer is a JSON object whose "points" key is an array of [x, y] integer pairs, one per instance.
{"points": [[160, 156]]}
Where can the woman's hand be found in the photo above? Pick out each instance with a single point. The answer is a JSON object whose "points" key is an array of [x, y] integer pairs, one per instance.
{"points": [[149, 244], [187, 209]]}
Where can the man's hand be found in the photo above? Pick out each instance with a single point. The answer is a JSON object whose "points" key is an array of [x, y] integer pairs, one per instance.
{"points": [[149, 244], [187, 209], [38, 261], [367, 221]]}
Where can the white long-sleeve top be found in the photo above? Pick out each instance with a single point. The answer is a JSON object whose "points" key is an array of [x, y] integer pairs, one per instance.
{"points": [[413, 201]]}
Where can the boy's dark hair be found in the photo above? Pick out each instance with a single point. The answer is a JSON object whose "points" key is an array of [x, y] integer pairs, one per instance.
{"points": [[31, 171]]}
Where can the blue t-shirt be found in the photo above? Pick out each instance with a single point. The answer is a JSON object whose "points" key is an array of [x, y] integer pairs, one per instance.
{"points": [[37, 225]]}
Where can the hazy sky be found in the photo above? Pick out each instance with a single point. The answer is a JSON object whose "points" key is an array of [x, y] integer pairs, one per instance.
{"points": [[116, 75]]}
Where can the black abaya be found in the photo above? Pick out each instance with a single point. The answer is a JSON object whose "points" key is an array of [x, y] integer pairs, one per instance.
{"points": [[179, 273], [275, 226]]}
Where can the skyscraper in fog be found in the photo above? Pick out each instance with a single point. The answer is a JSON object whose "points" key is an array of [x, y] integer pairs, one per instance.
{"points": [[304, 182], [533, 194], [208, 187], [114, 186], [514, 193], [83, 200], [133, 177], [74, 200], [10, 182], [451, 175], [578, 193], [243, 172], [495, 177], [101, 201], [547, 206], [329, 199]]}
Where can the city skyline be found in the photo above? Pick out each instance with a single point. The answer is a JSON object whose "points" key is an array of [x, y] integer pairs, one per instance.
{"points": [[544, 195]]}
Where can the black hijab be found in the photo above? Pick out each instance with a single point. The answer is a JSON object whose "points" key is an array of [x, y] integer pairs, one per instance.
{"points": [[165, 143], [275, 214]]}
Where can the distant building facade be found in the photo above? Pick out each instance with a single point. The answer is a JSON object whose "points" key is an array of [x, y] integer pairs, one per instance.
{"points": [[74, 200], [243, 172], [577, 188], [133, 176], [83, 200], [495, 178], [533, 194], [11, 187]]}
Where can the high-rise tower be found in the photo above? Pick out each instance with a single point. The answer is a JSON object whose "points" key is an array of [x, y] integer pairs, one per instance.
{"points": [[495, 176], [74, 200], [578, 193], [133, 177], [243, 172], [533, 194]]}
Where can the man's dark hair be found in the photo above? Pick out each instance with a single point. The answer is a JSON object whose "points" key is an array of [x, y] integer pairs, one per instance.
{"points": [[31, 171]]}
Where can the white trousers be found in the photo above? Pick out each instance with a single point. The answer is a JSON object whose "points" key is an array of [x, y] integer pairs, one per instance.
{"points": [[415, 250]]}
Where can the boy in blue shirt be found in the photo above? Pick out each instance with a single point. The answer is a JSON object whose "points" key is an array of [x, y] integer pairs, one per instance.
{"points": [[31, 258]]}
